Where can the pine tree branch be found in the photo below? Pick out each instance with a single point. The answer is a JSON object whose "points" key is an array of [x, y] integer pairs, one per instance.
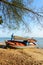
{"points": [[21, 7]]}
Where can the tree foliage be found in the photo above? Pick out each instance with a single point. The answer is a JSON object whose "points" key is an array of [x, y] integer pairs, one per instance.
{"points": [[13, 11]]}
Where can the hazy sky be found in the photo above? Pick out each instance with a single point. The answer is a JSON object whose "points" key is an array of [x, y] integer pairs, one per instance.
{"points": [[36, 29]]}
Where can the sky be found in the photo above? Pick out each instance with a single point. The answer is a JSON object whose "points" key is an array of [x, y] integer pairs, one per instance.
{"points": [[36, 29]]}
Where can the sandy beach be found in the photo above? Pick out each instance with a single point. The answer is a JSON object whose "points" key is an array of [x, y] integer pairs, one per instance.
{"points": [[28, 56]]}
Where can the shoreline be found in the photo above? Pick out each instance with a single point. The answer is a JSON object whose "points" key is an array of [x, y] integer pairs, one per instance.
{"points": [[2, 43]]}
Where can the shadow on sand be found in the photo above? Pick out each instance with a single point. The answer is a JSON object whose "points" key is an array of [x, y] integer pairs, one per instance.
{"points": [[3, 46]]}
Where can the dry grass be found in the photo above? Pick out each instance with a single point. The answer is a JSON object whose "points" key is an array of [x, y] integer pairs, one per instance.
{"points": [[31, 56]]}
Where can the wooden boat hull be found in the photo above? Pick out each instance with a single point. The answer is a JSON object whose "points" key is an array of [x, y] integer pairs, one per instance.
{"points": [[17, 44]]}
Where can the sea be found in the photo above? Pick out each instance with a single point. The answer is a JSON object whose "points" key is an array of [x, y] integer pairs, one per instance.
{"points": [[39, 43]]}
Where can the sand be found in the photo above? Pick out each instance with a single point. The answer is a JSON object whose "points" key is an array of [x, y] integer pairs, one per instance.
{"points": [[28, 56]]}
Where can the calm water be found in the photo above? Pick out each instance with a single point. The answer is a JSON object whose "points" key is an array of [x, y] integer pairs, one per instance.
{"points": [[4, 39], [39, 42]]}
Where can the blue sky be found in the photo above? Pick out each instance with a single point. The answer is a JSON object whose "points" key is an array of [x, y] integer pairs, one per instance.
{"points": [[36, 29]]}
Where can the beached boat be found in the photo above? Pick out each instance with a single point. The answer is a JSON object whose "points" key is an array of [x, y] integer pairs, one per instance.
{"points": [[20, 42]]}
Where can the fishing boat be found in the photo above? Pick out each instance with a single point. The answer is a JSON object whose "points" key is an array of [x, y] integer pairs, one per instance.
{"points": [[20, 42]]}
